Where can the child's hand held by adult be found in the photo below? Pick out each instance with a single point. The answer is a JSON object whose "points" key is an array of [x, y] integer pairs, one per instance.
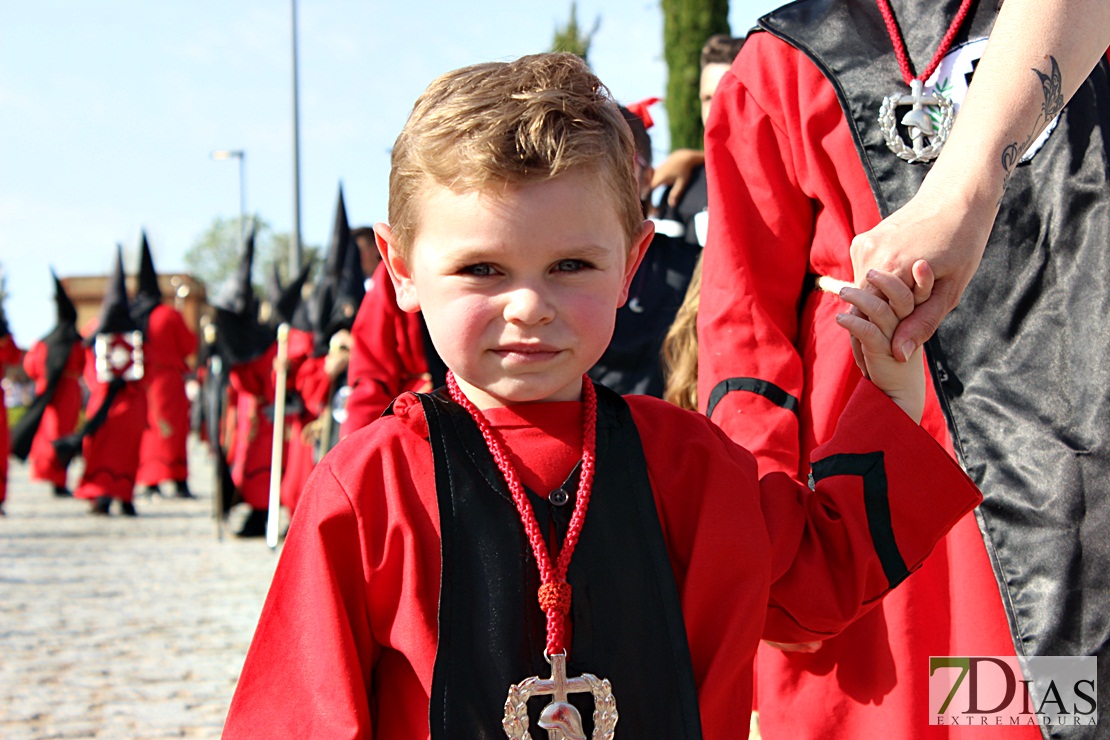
{"points": [[874, 329]]}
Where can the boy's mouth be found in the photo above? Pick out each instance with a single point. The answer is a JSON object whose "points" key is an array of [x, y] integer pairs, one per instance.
{"points": [[527, 352]]}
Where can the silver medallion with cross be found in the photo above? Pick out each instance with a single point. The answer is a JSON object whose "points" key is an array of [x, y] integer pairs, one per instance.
{"points": [[561, 720], [927, 136]]}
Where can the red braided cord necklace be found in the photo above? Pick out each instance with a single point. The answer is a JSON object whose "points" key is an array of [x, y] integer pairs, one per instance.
{"points": [[900, 45], [554, 592]]}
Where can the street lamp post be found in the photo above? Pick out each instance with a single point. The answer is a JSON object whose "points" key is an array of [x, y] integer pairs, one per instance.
{"points": [[241, 155], [295, 251]]}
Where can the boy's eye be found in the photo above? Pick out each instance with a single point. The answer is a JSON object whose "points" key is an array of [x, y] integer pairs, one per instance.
{"points": [[480, 270], [570, 266]]}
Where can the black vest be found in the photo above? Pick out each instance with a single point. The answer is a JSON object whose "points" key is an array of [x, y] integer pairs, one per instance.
{"points": [[1022, 366], [626, 621]]}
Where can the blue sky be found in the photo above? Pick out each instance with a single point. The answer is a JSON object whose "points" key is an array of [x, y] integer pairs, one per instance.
{"points": [[109, 110]]}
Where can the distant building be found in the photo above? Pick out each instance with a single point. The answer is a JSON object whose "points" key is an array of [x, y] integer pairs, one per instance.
{"points": [[184, 292]]}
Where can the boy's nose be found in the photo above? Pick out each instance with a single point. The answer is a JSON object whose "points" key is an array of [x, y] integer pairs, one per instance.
{"points": [[528, 305]]}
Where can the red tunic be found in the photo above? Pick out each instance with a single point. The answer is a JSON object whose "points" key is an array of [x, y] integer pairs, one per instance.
{"points": [[59, 418], [10, 354], [346, 643], [112, 452], [250, 457], [307, 378], [167, 343], [787, 193], [387, 354]]}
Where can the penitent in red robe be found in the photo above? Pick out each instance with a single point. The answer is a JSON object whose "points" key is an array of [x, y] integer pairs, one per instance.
{"points": [[111, 452], [166, 345], [787, 193], [387, 354], [251, 455], [347, 639], [9, 355], [59, 418]]}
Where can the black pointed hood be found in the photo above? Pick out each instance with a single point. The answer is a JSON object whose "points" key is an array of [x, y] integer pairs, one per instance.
{"points": [[67, 312], [349, 291], [148, 278], [115, 310], [304, 317], [240, 337], [285, 301], [64, 333], [273, 288], [4, 329], [148, 296], [342, 286], [236, 295], [340, 242]]}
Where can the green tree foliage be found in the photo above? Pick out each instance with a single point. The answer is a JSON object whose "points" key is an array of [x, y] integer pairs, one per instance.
{"points": [[216, 254], [686, 26], [571, 37]]}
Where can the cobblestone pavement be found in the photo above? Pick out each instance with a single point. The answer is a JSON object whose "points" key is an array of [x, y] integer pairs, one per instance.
{"points": [[113, 627]]}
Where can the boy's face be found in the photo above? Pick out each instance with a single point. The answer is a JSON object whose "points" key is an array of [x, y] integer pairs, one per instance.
{"points": [[519, 286]]}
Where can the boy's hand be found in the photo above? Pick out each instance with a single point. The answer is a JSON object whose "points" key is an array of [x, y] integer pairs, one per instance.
{"points": [[904, 382]]}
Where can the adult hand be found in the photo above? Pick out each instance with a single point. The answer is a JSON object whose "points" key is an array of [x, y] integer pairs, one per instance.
{"points": [[949, 234], [339, 354], [676, 171]]}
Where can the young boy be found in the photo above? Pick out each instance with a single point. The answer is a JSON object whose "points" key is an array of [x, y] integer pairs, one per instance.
{"points": [[407, 601]]}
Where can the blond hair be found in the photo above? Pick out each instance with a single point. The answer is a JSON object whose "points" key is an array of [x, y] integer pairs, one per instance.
{"points": [[680, 349], [509, 123]]}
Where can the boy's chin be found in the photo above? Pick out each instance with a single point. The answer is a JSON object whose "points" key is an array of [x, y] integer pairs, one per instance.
{"points": [[524, 390]]}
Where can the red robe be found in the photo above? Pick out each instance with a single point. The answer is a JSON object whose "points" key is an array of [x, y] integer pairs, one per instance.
{"points": [[387, 354], [10, 354], [167, 343], [251, 455], [59, 418], [346, 642], [787, 193], [306, 377], [112, 452]]}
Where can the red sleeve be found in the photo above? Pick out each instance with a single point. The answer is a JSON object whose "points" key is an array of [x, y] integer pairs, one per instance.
{"points": [[10, 354], [34, 364], [387, 354], [794, 564], [307, 673], [884, 494], [255, 377], [778, 153], [312, 383], [346, 643]]}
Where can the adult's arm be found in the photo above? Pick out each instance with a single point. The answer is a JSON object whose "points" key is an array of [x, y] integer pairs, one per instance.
{"points": [[786, 195], [676, 171], [1038, 54]]}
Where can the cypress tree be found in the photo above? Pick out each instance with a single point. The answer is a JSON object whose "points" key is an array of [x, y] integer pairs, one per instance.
{"points": [[573, 38], [687, 24]]}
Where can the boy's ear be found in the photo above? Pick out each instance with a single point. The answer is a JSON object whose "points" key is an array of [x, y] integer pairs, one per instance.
{"points": [[397, 268], [636, 256]]}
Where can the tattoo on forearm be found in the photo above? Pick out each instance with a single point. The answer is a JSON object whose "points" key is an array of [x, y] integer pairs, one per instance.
{"points": [[1052, 88]]}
